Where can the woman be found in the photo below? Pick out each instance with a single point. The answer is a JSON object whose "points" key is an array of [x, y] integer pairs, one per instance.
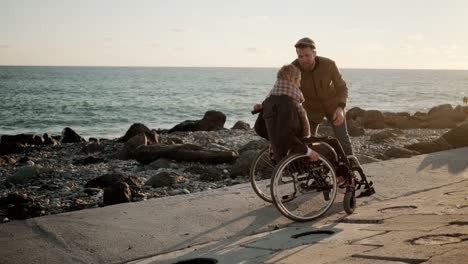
{"points": [[285, 119]]}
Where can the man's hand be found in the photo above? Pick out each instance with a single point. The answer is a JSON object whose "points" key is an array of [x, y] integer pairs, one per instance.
{"points": [[338, 117]]}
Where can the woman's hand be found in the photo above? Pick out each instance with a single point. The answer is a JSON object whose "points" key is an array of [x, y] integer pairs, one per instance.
{"points": [[257, 107], [314, 156]]}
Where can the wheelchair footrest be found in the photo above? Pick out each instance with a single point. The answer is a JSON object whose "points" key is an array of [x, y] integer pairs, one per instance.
{"points": [[367, 192]]}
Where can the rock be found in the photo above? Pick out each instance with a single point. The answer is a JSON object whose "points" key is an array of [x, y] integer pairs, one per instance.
{"points": [[185, 152], [92, 191], [12, 148], [24, 175], [14, 199], [401, 120], [207, 174], [398, 152], [138, 129], [355, 131], [429, 147], [373, 119], [171, 139], [118, 192], [25, 211], [48, 140], [88, 160], [438, 123], [22, 139], [355, 114], [109, 179], [20, 206], [165, 179], [203, 138], [70, 136], [441, 110], [131, 146], [383, 135], [457, 137], [212, 120], [92, 147], [256, 145], [241, 125], [7, 160], [242, 165], [159, 163]]}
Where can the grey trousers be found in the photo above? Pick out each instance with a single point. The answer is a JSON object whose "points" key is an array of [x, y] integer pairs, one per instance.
{"points": [[341, 133]]}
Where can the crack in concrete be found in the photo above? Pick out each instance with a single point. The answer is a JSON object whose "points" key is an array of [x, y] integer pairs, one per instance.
{"points": [[395, 259]]}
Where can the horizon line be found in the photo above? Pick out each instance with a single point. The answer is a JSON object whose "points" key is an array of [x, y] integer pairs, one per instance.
{"points": [[225, 67]]}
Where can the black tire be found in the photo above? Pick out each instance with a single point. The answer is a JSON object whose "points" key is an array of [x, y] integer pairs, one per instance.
{"points": [[303, 190], [349, 201], [261, 170]]}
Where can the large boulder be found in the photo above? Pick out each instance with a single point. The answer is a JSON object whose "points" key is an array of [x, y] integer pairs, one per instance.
{"points": [[440, 110], [439, 144], [212, 120], [355, 114], [137, 129], [107, 180], [256, 145], [373, 119], [165, 178], [118, 192], [12, 148], [398, 152], [401, 120], [70, 136], [241, 125], [22, 139], [457, 137], [243, 163]]}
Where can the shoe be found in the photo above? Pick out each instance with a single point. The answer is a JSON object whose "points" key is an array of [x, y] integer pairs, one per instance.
{"points": [[340, 181]]}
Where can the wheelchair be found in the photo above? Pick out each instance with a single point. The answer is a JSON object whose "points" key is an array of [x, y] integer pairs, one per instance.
{"points": [[303, 190]]}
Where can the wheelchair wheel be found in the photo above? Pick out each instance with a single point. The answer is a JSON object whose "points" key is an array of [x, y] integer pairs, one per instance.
{"points": [[260, 174], [302, 189], [349, 201]]}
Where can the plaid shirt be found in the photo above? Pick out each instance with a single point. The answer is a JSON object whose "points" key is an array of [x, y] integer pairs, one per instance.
{"points": [[284, 87]]}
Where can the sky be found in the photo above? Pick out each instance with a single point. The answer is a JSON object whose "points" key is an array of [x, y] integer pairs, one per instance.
{"points": [[398, 34]]}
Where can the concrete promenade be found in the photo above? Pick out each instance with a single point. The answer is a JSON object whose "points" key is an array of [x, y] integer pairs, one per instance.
{"points": [[418, 215]]}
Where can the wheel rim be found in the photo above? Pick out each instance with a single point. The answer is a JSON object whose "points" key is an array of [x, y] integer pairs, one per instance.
{"points": [[260, 174], [304, 190]]}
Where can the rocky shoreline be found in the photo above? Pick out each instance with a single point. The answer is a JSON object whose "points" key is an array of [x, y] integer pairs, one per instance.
{"points": [[41, 179]]}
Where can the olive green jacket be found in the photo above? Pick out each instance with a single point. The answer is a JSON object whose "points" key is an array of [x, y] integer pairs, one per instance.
{"points": [[323, 87]]}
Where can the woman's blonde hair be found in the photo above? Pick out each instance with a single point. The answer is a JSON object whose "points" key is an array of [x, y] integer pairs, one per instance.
{"points": [[288, 72]]}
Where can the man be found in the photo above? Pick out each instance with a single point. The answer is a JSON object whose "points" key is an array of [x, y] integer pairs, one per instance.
{"points": [[324, 90]]}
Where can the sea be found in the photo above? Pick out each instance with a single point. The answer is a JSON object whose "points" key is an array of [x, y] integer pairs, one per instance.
{"points": [[105, 101]]}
